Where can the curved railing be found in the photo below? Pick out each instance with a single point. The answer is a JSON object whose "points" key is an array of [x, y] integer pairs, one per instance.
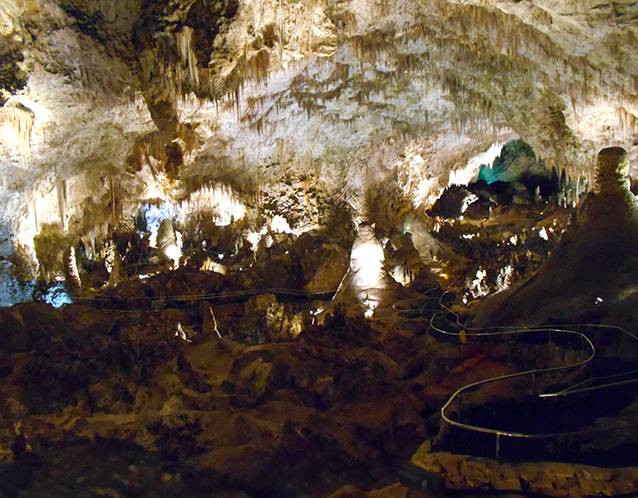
{"points": [[587, 346], [403, 306], [100, 299], [458, 394]]}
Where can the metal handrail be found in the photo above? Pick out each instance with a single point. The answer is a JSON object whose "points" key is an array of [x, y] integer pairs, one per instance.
{"points": [[215, 295], [412, 299], [468, 387], [468, 331], [499, 433]]}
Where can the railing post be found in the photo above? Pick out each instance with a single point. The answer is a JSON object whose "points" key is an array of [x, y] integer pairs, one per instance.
{"points": [[534, 383], [460, 405], [498, 445]]}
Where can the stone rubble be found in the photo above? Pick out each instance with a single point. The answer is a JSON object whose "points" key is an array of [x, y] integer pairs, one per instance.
{"points": [[467, 473]]}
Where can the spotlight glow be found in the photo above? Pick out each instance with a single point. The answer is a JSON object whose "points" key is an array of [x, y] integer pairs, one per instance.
{"points": [[57, 296], [218, 200], [366, 260], [280, 224]]}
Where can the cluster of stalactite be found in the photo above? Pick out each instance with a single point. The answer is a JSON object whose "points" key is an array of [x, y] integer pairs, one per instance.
{"points": [[17, 121]]}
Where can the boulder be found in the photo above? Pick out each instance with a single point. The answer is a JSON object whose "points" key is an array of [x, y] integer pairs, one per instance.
{"points": [[453, 202], [262, 302], [331, 268]]}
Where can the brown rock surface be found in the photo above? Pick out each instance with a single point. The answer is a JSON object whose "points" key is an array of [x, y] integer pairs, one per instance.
{"points": [[331, 408], [466, 473]]}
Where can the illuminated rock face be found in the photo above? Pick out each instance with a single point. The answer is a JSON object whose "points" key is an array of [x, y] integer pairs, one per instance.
{"points": [[166, 242], [612, 169], [104, 102]]}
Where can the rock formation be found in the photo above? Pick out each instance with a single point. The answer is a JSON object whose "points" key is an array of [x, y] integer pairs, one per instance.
{"points": [[592, 270], [274, 151], [167, 244]]}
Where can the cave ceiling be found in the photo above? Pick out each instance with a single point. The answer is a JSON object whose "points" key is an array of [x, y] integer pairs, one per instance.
{"points": [[101, 96]]}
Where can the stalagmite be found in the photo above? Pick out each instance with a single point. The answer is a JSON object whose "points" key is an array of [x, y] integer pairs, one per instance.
{"points": [[596, 256], [115, 260], [167, 244], [71, 272]]}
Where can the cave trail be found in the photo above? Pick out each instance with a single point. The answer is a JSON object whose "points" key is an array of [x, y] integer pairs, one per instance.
{"points": [[533, 374]]}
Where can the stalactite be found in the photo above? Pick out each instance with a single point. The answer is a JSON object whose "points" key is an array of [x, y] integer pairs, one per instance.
{"points": [[578, 187], [218, 200], [628, 121], [62, 198], [188, 57], [281, 25], [114, 216], [92, 244], [33, 206], [16, 124]]}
